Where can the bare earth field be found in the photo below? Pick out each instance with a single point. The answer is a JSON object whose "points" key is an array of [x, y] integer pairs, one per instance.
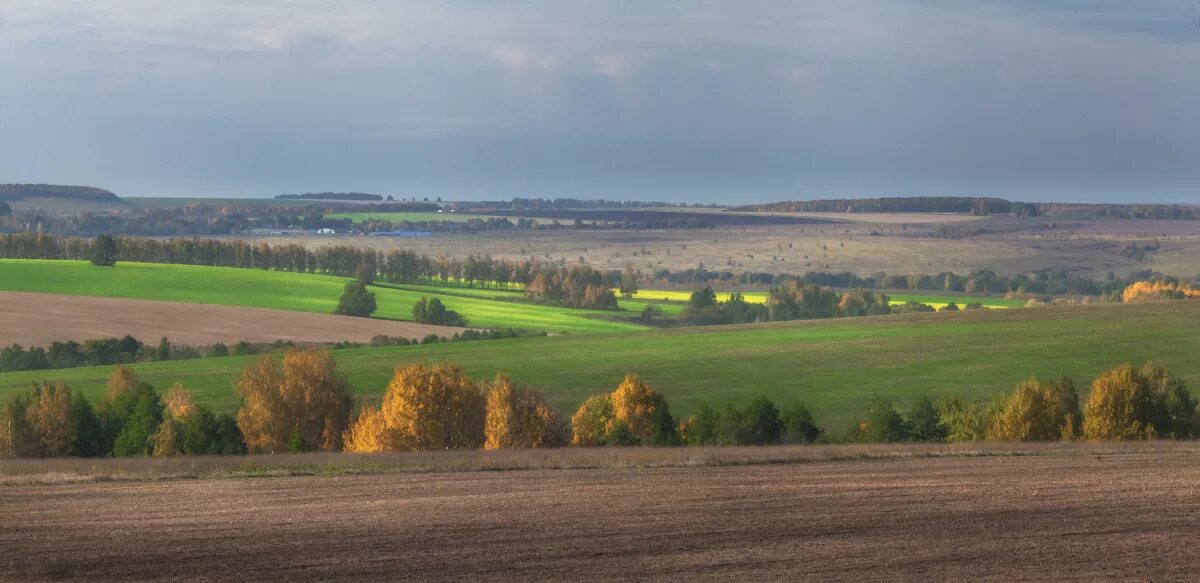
{"points": [[39, 319], [1083, 513]]}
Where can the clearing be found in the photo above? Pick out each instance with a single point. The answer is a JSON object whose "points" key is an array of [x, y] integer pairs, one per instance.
{"points": [[1084, 513], [35, 319]]}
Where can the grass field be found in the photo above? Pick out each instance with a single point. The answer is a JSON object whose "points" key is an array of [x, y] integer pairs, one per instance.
{"points": [[833, 366], [760, 297], [283, 290]]}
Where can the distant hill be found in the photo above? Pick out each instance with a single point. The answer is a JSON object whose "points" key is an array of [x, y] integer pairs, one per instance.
{"points": [[84, 193], [331, 196]]}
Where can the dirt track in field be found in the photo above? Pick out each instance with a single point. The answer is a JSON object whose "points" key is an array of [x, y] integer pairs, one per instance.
{"points": [[38, 319], [1079, 517]]}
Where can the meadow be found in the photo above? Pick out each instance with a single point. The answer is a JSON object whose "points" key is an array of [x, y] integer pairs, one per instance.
{"points": [[302, 292], [760, 297], [834, 367]]}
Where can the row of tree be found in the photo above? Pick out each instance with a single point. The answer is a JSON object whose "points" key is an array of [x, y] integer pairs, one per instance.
{"points": [[304, 404], [50, 420], [1125, 403], [793, 300]]}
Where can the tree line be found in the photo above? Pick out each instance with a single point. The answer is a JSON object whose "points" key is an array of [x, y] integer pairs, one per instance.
{"points": [[304, 404], [793, 300]]}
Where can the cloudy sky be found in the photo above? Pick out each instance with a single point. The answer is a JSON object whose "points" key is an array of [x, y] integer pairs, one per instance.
{"points": [[667, 100]]}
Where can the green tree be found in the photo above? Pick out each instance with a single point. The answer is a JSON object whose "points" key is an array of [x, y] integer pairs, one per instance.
{"points": [[883, 423], [629, 282], [136, 436], [924, 423], [799, 425], [356, 300], [104, 251], [763, 426], [703, 426]]}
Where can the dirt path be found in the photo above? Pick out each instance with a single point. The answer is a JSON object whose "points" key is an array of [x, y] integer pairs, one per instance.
{"points": [[1084, 517], [38, 319]]}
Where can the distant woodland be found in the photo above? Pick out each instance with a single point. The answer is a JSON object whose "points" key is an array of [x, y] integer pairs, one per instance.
{"points": [[11, 192]]}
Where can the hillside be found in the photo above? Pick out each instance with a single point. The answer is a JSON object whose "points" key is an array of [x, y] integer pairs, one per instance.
{"points": [[833, 366], [304, 292], [13, 192]]}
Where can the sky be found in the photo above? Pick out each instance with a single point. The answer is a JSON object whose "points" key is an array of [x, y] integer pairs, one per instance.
{"points": [[746, 101]]}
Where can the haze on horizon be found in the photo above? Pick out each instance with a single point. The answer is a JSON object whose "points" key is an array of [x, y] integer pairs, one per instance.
{"points": [[1080, 100]]}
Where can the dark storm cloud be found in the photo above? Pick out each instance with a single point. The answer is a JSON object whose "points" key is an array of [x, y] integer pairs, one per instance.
{"points": [[1074, 99]]}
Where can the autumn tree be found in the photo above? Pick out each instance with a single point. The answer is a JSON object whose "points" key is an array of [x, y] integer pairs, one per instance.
{"points": [[521, 417], [590, 424], [1037, 410], [644, 411], [48, 420], [633, 414], [425, 407], [962, 420], [305, 406], [1128, 403]]}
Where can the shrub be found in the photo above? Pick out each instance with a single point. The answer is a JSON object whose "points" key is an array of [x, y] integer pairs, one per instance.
{"points": [[424, 408], [1037, 410]]}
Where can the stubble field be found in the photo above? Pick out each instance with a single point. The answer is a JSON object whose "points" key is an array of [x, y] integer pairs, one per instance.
{"points": [[1082, 513]]}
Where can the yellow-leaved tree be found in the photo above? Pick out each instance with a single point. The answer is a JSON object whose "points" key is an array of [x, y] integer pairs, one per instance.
{"points": [[305, 406], [521, 417], [1128, 403], [633, 414], [425, 407], [1037, 410]]}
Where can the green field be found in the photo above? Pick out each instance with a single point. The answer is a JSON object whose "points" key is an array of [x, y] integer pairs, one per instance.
{"points": [[833, 366], [289, 291], [760, 297], [411, 217]]}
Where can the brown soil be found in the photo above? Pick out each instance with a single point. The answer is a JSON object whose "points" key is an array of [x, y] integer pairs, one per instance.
{"points": [[1081, 516], [39, 319]]}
